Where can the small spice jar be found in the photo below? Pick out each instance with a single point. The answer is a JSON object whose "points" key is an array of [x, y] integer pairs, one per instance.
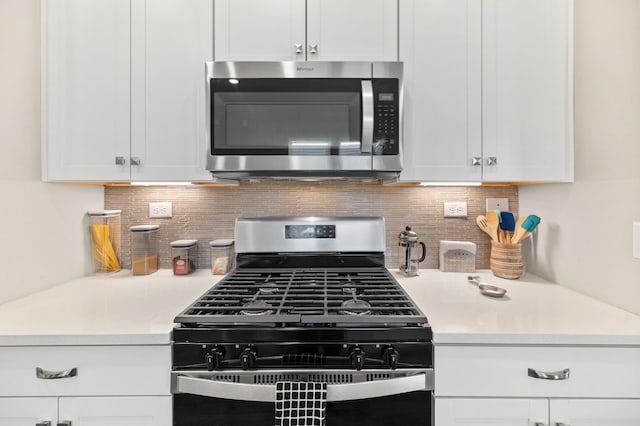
{"points": [[144, 249], [183, 256], [222, 256], [105, 240]]}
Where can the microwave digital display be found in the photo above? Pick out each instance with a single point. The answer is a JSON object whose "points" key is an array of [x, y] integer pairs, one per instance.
{"points": [[385, 97]]}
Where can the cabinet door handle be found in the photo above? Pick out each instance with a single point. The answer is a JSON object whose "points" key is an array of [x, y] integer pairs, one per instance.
{"points": [[298, 48], [476, 161], [120, 161], [492, 161], [562, 424], [64, 423], [313, 49], [49, 375], [549, 375], [135, 161], [44, 423], [540, 424]]}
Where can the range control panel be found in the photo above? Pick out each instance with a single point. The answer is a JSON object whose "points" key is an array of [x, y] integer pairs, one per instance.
{"points": [[309, 231], [386, 117]]}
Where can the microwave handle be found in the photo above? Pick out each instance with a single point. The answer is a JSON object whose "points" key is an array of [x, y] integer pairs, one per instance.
{"points": [[366, 145], [335, 392]]}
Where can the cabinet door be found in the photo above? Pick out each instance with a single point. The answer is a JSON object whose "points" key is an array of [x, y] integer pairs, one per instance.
{"points": [[28, 411], [171, 40], [85, 89], [440, 46], [595, 412], [352, 30], [117, 411], [260, 30], [491, 412], [527, 90]]}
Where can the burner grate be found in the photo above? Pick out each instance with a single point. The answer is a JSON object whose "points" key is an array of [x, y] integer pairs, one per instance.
{"points": [[304, 296]]}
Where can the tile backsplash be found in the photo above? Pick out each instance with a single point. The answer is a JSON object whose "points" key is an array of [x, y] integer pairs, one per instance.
{"points": [[206, 213]]}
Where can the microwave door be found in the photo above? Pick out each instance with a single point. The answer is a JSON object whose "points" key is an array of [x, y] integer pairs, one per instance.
{"points": [[366, 144]]}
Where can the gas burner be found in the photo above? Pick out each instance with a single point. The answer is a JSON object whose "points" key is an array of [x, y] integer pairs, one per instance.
{"points": [[355, 307], [257, 307]]}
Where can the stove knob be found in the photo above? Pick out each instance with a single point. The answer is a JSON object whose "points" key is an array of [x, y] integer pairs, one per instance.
{"points": [[214, 358], [357, 358], [391, 357], [248, 358]]}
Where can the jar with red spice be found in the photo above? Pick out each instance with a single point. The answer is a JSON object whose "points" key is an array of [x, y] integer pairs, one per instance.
{"points": [[184, 256]]}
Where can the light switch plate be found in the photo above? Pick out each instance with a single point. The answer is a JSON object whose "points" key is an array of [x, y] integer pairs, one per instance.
{"points": [[501, 204], [636, 240]]}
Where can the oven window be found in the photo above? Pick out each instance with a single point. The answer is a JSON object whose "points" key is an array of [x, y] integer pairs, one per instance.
{"points": [[282, 118], [413, 408]]}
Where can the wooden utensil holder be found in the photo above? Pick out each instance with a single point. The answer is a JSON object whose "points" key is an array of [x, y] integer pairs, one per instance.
{"points": [[506, 260]]}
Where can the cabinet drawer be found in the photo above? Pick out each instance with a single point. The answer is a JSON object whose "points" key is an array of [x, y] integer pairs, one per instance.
{"points": [[101, 370], [603, 372]]}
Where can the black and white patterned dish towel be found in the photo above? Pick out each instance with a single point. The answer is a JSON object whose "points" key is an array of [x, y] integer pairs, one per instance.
{"points": [[301, 404]]}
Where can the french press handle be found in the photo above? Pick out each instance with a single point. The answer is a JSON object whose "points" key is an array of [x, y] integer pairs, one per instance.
{"points": [[424, 251]]}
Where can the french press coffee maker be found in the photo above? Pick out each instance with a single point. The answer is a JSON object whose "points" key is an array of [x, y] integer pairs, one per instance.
{"points": [[409, 260]]}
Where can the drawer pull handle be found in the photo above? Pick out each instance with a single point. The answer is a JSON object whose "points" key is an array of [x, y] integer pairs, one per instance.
{"points": [[562, 424], [49, 375], [65, 423], [551, 375], [44, 423], [540, 424]]}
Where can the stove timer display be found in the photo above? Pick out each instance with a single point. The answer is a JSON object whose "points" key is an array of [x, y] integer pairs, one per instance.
{"points": [[309, 231]]}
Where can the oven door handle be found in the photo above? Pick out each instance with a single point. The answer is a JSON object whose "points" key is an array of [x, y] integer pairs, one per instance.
{"points": [[335, 392], [366, 145]]}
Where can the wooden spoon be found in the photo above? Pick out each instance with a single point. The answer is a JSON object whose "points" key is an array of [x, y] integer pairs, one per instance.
{"points": [[493, 223], [520, 231]]}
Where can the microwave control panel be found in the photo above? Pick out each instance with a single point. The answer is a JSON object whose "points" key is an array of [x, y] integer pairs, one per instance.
{"points": [[386, 117]]}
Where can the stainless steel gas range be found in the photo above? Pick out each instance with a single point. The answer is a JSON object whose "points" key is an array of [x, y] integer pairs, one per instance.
{"points": [[310, 301]]}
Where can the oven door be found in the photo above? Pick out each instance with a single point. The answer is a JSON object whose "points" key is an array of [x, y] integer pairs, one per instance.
{"points": [[282, 121], [366, 397]]}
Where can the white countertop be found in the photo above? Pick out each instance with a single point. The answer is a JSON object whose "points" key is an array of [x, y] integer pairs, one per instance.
{"points": [[533, 311], [105, 309], [121, 309]]}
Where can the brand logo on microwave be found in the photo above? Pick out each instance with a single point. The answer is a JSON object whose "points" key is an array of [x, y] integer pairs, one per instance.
{"points": [[305, 69]]}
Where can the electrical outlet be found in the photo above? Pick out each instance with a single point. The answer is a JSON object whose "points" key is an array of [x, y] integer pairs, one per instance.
{"points": [[457, 209], [160, 210], [636, 240], [501, 204]]}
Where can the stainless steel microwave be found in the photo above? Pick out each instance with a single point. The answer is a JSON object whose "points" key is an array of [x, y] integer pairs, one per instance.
{"points": [[297, 120]]}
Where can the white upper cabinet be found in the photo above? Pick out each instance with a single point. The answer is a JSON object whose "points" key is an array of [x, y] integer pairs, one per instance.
{"points": [[527, 90], [86, 90], [260, 30], [440, 45], [488, 93], [298, 30], [171, 41], [352, 30]]}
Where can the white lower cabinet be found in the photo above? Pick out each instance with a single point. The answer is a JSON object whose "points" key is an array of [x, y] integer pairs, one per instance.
{"points": [[537, 412], [537, 385], [85, 385], [86, 411]]}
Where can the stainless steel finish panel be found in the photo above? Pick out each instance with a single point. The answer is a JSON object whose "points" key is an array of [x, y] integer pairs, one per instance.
{"points": [[238, 163], [266, 235], [387, 70], [244, 389], [367, 117], [291, 69], [390, 163]]}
